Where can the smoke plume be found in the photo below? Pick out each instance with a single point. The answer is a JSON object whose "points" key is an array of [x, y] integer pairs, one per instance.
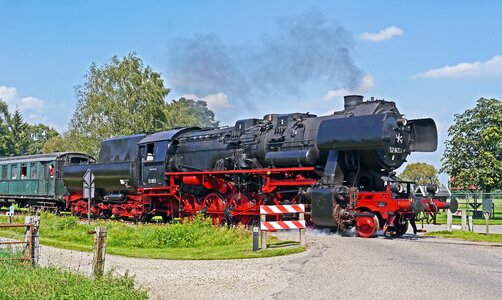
{"points": [[305, 51]]}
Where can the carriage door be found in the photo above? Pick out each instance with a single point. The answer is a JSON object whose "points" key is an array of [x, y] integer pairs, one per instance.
{"points": [[43, 182], [57, 177]]}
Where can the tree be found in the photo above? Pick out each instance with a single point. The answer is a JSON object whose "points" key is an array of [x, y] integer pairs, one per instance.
{"points": [[473, 154], [54, 144], [18, 137], [4, 115], [421, 173], [189, 112], [38, 135], [122, 97]]}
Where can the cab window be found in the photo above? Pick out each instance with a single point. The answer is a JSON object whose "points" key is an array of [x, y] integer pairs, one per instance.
{"points": [[150, 151]]}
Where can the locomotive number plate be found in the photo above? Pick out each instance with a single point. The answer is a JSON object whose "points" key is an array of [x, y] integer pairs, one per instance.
{"points": [[152, 180], [397, 150]]}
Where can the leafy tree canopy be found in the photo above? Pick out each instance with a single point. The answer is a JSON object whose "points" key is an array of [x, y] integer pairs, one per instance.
{"points": [[473, 154], [421, 173], [18, 137], [124, 97], [54, 144], [188, 112]]}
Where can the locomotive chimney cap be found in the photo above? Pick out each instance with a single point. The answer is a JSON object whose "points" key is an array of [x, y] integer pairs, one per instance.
{"points": [[351, 101]]}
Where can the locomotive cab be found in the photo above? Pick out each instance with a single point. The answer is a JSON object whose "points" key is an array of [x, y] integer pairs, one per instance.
{"points": [[155, 153]]}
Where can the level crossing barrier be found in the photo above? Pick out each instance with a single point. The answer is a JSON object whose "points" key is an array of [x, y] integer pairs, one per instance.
{"points": [[276, 210]]}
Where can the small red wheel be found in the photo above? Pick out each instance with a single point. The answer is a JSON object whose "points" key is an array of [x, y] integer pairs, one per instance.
{"points": [[190, 206], [241, 203], [190, 203], [367, 225], [214, 205]]}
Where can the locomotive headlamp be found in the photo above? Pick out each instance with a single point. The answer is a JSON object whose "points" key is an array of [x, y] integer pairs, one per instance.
{"points": [[396, 187], [402, 121], [432, 189]]}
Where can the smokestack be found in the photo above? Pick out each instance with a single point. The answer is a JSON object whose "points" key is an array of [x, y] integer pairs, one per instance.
{"points": [[351, 101]]}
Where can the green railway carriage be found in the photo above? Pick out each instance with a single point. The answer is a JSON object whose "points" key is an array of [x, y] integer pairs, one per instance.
{"points": [[36, 181]]}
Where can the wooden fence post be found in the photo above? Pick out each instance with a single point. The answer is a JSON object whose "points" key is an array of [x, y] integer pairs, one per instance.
{"points": [[263, 218], [98, 261], [32, 239]]}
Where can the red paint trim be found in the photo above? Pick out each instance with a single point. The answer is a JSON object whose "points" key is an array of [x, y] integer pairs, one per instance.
{"points": [[250, 171]]}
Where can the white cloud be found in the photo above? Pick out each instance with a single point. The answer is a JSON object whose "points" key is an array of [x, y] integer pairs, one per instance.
{"points": [[478, 68], [218, 101], [32, 108], [383, 34], [31, 103], [367, 83], [8, 94], [215, 102]]}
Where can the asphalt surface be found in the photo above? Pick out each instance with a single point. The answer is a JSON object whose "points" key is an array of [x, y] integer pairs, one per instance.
{"points": [[410, 267], [334, 267]]}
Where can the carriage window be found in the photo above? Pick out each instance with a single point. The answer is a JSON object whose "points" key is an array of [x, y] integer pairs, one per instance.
{"points": [[4, 173], [13, 172], [24, 171], [45, 171], [33, 170]]}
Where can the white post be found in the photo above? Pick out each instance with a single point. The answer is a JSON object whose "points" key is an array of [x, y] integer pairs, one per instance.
{"points": [[487, 219], [301, 217], [464, 220], [263, 218], [449, 220]]}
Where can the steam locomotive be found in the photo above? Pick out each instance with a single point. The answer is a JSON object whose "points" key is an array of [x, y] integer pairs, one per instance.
{"points": [[339, 166]]}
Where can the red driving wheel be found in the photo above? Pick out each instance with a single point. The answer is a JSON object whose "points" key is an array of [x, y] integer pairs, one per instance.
{"points": [[367, 225]]}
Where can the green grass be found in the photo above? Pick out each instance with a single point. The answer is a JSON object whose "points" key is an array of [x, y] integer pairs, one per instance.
{"points": [[21, 281], [196, 240], [495, 220], [469, 236]]}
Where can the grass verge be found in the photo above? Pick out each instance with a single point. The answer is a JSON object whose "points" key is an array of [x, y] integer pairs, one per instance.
{"points": [[196, 240], [469, 236], [21, 281]]}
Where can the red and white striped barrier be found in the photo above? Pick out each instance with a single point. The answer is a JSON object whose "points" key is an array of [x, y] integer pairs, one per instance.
{"points": [[282, 209], [280, 225]]}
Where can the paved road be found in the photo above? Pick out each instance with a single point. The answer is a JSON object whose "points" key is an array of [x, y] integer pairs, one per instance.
{"points": [[333, 268]]}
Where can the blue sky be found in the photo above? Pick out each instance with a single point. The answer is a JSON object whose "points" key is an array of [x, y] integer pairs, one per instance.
{"points": [[434, 58]]}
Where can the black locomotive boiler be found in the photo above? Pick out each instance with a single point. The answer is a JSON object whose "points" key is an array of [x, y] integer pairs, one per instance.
{"points": [[340, 166]]}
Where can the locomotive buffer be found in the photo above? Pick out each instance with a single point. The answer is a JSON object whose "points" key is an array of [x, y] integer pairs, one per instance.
{"points": [[89, 192]]}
